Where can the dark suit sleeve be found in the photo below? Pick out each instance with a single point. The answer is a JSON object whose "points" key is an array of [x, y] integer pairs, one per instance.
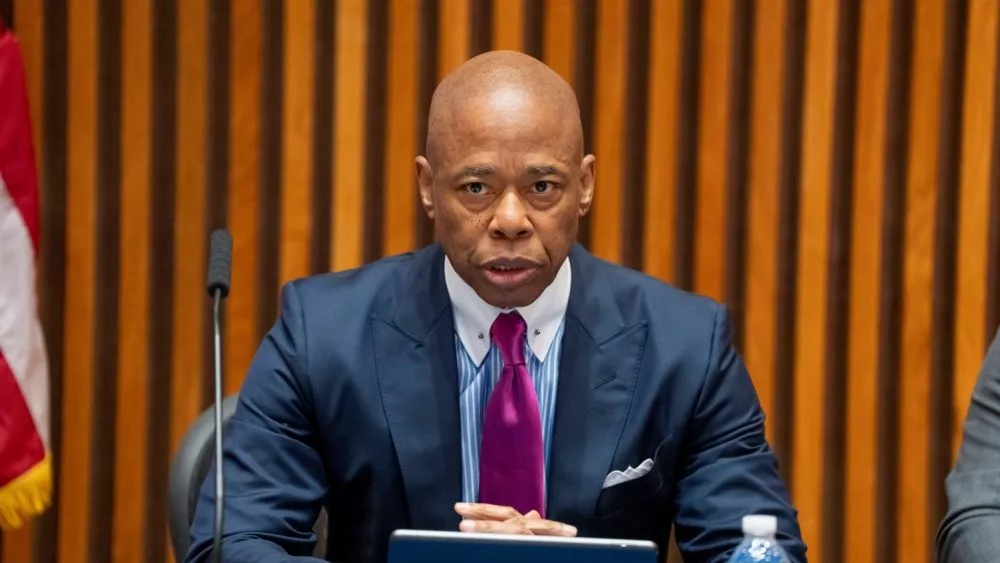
{"points": [[274, 477], [970, 532], [728, 470]]}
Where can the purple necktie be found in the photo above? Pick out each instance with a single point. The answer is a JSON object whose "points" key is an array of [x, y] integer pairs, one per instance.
{"points": [[511, 466]]}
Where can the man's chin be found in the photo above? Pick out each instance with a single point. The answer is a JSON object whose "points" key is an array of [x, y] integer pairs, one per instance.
{"points": [[509, 298]]}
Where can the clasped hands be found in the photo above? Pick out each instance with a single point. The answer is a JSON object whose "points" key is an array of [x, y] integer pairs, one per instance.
{"points": [[493, 519]]}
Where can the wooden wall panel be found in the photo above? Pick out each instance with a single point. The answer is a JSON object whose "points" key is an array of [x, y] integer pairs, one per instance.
{"points": [[763, 200], [661, 138], [825, 168], [242, 330], [129, 535], [808, 467], [715, 74], [297, 135], [557, 50], [861, 529], [401, 143], [349, 188], [81, 200], [454, 36], [974, 207], [508, 25], [913, 538], [189, 341], [611, 43]]}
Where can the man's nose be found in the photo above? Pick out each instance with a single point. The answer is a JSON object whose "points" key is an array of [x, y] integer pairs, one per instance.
{"points": [[511, 218]]}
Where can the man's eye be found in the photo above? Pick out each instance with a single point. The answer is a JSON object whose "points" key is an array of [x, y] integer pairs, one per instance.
{"points": [[542, 187], [475, 188]]}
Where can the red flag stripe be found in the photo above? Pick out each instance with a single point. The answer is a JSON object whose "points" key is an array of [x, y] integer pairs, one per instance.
{"points": [[17, 151], [21, 447]]}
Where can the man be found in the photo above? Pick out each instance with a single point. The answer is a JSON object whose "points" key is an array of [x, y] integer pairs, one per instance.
{"points": [[504, 380], [970, 532]]}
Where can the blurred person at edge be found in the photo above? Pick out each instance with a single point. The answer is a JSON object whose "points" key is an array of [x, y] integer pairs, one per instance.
{"points": [[970, 533]]}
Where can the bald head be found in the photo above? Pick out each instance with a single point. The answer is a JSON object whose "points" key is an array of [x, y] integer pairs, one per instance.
{"points": [[500, 89]]}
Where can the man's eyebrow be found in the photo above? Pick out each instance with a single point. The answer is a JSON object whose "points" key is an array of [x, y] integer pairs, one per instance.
{"points": [[544, 170], [476, 171]]}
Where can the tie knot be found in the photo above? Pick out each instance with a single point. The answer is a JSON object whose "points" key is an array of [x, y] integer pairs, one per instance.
{"points": [[508, 333]]}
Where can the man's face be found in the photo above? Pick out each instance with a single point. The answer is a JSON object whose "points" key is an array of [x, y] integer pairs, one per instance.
{"points": [[506, 190]]}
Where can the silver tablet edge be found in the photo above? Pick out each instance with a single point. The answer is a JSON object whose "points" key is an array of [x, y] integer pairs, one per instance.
{"points": [[469, 536]]}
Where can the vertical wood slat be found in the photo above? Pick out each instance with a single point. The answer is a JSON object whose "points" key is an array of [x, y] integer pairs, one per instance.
{"points": [[860, 526], [455, 17], [130, 470], [77, 406], [612, 33], [631, 183], [763, 198], [713, 130], [189, 298], [913, 537], [810, 337], [270, 115], [398, 222], [661, 139], [297, 137], [974, 207], [944, 285], [508, 25], [374, 134], [242, 331], [557, 47], [349, 134]]}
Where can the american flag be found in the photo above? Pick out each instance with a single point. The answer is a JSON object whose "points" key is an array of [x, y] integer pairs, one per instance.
{"points": [[25, 461]]}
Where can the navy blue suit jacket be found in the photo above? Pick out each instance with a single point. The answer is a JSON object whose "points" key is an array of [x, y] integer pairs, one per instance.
{"points": [[352, 403]]}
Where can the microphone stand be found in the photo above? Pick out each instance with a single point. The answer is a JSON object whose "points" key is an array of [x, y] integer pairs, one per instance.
{"points": [[219, 492]]}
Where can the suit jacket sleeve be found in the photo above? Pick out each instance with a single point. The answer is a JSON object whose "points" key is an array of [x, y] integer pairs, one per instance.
{"points": [[274, 477], [970, 533], [728, 470]]}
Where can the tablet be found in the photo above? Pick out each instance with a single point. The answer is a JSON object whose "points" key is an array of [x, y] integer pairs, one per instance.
{"points": [[420, 546]]}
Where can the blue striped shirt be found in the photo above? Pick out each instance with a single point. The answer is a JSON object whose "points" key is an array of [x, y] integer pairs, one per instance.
{"points": [[475, 383]]}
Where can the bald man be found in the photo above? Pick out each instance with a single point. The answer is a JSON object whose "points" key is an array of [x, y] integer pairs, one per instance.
{"points": [[502, 380]]}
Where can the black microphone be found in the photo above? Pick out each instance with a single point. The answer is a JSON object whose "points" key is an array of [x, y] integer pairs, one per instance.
{"points": [[220, 264]]}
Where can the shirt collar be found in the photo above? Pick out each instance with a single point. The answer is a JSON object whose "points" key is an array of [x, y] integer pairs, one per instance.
{"points": [[474, 317]]}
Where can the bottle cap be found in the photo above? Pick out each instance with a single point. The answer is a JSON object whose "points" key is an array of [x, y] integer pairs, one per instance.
{"points": [[760, 525]]}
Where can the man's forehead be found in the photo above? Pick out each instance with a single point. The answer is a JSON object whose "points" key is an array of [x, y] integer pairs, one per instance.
{"points": [[507, 123], [504, 143]]}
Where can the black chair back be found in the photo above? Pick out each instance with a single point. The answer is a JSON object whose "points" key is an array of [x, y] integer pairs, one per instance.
{"points": [[188, 471]]}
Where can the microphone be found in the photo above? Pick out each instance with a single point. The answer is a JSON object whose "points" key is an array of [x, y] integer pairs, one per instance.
{"points": [[220, 264]]}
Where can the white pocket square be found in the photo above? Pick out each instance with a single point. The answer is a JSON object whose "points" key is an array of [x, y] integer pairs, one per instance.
{"points": [[618, 477]]}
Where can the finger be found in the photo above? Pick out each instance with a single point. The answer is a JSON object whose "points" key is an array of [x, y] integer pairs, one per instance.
{"points": [[540, 527], [514, 526], [533, 514], [483, 511]]}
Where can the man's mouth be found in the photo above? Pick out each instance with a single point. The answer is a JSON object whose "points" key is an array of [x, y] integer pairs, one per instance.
{"points": [[509, 274]]}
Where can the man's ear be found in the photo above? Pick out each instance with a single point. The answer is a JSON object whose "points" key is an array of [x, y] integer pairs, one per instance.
{"points": [[587, 172], [425, 180]]}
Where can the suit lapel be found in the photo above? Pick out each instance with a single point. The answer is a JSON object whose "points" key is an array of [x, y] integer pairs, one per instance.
{"points": [[599, 366], [415, 361]]}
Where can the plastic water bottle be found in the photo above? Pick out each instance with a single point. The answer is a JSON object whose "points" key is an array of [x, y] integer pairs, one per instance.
{"points": [[759, 544]]}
